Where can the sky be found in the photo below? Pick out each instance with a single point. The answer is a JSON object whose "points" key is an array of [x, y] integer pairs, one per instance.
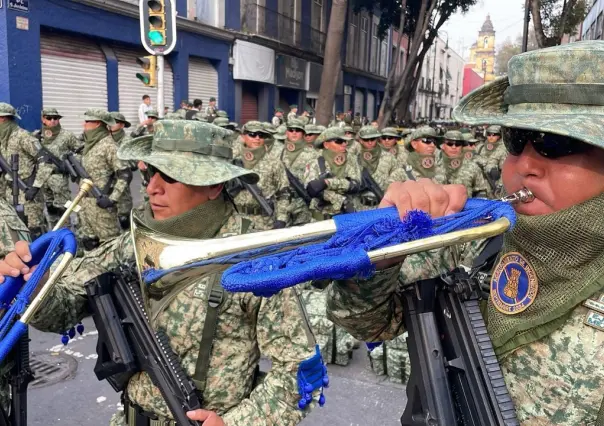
{"points": [[462, 30]]}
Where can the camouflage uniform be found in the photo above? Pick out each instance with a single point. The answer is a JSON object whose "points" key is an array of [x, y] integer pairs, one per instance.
{"points": [[143, 129], [247, 326], [391, 359], [461, 171], [292, 114], [125, 203], [381, 165], [342, 178], [423, 166], [100, 160], [278, 121], [273, 185], [469, 152], [211, 110], [58, 142], [225, 123], [398, 150], [15, 140], [296, 157], [490, 157]]}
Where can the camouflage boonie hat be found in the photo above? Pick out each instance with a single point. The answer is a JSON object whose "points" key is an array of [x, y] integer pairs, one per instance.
{"points": [[464, 130], [369, 132], [7, 110], [51, 112], [255, 127], [201, 116], [555, 90], [311, 129], [234, 125], [189, 151], [295, 123], [348, 129], [269, 127], [153, 114], [390, 131], [94, 114], [221, 121], [422, 132], [453, 135], [494, 129], [222, 113], [119, 118], [330, 134], [280, 133]]}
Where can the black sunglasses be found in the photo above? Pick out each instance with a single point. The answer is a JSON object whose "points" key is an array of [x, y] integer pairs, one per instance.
{"points": [[493, 134], [546, 144], [338, 141], [471, 143], [52, 118], [290, 129], [150, 172], [454, 143], [388, 138], [255, 135], [369, 140], [428, 141]]}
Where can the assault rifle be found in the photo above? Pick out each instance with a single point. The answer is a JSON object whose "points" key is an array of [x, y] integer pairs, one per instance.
{"points": [[7, 169], [253, 189], [455, 377], [369, 183], [78, 172], [298, 186], [127, 344]]}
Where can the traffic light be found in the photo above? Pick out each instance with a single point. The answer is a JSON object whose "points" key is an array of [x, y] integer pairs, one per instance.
{"points": [[158, 25], [149, 65]]}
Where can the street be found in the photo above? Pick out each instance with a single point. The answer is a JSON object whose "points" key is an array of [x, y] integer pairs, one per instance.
{"points": [[67, 391]]}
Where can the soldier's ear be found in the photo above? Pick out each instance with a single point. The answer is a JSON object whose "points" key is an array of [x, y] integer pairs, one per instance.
{"points": [[214, 191]]}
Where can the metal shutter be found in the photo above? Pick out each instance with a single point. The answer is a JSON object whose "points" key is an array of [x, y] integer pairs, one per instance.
{"points": [[370, 106], [203, 81], [74, 77], [131, 89], [359, 101], [249, 103]]}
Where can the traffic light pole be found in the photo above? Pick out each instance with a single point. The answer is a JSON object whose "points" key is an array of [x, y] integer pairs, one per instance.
{"points": [[160, 85]]}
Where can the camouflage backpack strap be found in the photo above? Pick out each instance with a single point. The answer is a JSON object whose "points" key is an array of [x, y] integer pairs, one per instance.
{"points": [[215, 296]]}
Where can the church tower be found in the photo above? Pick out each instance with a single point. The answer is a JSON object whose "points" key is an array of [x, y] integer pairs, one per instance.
{"points": [[482, 53]]}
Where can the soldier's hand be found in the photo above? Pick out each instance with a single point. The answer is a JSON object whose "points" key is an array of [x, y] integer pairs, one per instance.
{"points": [[105, 202], [209, 418], [31, 193], [494, 173], [279, 224], [14, 263], [315, 187]]}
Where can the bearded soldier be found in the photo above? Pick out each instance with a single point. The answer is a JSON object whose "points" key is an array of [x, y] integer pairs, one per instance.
{"points": [[421, 159], [33, 168], [58, 142], [204, 325], [334, 179], [544, 314], [459, 170]]}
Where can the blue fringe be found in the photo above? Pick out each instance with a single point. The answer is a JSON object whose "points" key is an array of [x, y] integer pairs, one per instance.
{"points": [[312, 376]]}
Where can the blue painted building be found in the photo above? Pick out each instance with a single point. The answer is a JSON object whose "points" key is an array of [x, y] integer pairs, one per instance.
{"points": [[251, 55]]}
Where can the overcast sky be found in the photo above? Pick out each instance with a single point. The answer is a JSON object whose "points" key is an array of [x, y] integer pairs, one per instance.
{"points": [[506, 16]]}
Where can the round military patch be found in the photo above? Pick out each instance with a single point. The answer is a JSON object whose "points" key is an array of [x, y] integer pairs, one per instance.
{"points": [[514, 284], [468, 155], [455, 163], [249, 156], [428, 162], [367, 156], [393, 151], [47, 133], [490, 147], [339, 159], [290, 147]]}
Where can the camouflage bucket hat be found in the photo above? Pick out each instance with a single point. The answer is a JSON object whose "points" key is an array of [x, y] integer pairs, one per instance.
{"points": [[330, 134], [311, 129], [280, 133], [557, 90], [51, 112], [94, 114], [348, 129], [454, 135], [494, 129], [390, 131], [369, 132], [422, 132], [295, 123], [201, 116], [152, 114], [222, 113], [118, 117], [255, 127], [7, 110], [221, 121], [192, 152], [269, 127]]}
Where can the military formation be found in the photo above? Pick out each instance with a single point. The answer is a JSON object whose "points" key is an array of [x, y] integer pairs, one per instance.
{"points": [[205, 177]]}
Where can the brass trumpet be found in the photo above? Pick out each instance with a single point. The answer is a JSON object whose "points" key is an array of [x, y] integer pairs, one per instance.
{"points": [[165, 252]]}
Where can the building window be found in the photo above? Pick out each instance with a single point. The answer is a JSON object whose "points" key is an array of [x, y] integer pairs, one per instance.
{"points": [[364, 24], [484, 65], [318, 19], [373, 66], [352, 41], [486, 42]]}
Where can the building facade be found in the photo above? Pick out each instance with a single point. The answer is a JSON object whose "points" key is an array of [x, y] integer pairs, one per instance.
{"points": [[251, 55], [593, 24], [441, 83], [482, 53]]}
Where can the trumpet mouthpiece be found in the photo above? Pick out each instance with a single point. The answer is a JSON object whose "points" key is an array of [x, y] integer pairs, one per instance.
{"points": [[523, 195]]}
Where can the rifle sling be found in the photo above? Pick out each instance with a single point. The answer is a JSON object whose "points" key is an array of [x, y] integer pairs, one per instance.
{"points": [[322, 167], [409, 173]]}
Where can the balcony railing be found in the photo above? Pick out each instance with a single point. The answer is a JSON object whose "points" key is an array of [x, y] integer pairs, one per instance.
{"points": [[267, 22]]}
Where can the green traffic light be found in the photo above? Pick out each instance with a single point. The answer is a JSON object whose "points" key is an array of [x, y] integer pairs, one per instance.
{"points": [[156, 37], [143, 77]]}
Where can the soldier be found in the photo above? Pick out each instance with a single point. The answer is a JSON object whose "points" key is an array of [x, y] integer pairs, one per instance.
{"points": [[98, 217], [490, 157], [553, 319], [311, 133], [293, 112], [201, 116], [356, 123], [338, 121], [125, 203], [57, 142], [274, 150], [389, 142], [421, 159], [272, 188], [298, 153], [278, 117], [334, 179], [146, 128], [348, 118], [33, 167], [211, 109], [458, 170], [221, 113], [186, 190], [381, 167], [470, 146]]}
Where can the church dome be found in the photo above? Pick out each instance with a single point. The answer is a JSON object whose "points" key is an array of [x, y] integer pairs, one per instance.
{"points": [[487, 27]]}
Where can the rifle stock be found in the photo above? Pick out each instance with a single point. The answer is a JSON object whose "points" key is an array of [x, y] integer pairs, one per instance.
{"points": [[255, 191], [298, 186], [78, 172], [371, 185]]}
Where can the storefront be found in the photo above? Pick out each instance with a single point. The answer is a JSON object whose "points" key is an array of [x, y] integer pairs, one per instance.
{"points": [[290, 76]]}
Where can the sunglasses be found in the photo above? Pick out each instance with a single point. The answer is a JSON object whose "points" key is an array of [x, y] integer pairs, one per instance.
{"points": [[471, 143], [454, 143], [289, 129], [388, 138], [337, 141], [52, 118], [493, 134], [150, 172], [547, 145], [428, 141], [370, 140], [255, 135]]}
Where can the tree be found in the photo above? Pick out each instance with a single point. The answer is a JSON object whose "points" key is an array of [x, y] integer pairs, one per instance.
{"points": [[510, 48], [332, 62], [554, 18]]}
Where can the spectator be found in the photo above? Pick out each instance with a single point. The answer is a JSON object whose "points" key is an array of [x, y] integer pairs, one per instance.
{"points": [[143, 108]]}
